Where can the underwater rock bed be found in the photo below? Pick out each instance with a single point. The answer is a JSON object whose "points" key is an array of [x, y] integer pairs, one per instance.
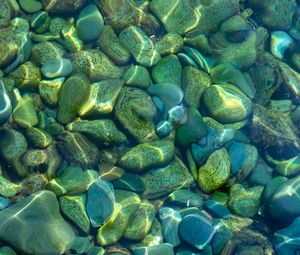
{"points": [[158, 127]]}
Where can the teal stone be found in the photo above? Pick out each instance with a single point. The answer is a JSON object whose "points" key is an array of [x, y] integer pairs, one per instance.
{"points": [[137, 76], [193, 130], [271, 186], [5, 104], [284, 204], [96, 250], [57, 68], [81, 245], [69, 38], [167, 70], [170, 220], [216, 209], [177, 115], [130, 182], [184, 197], [170, 94], [73, 207], [89, 23], [260, 175], [140, 46], [185, 59], [222, 236], [72, 181], [286, 241], [169, 44], [38, 19], [158, 103], [4, 203], [189, 250], [6, 250], [280, 41], [23, 223], [164, 180], [30, 6], [163, 128], [100, 202], [196, 231], [161, 249]]}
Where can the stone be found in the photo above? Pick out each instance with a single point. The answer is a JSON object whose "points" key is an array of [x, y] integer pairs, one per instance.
{"points": [[57, 68], [170, 220], [169, 44], [137, 76], [89, 23], [5, 104], [222, 236], [23, 223], [38, 137], [196, 230], [100, 202], [4, 203], [30, 6], [164, 180], [6, 250], [81, 245], [73, 207], [215, 172], [63, 7], [161, 249], [147, 155], [216, 209], [280, 41], [49, 90], [130, 182], [8, 188], [184, 197], [110, 172]]}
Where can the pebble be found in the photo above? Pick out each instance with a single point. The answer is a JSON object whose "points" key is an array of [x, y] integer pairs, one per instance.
{"points": [[130, 182], [5, 104], [185, 197], [56, 68], [161, 249], [4, 203]]}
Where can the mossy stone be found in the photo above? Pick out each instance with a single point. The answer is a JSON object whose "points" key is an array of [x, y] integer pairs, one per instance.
{"points": [[38, 137], [169, 44], [137, 76]]}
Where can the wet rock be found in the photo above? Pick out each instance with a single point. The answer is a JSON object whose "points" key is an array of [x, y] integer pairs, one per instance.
{"points": [[185, 197], [63, 7], [161, 249], [5, 104], [56, 68], [23, 223]]}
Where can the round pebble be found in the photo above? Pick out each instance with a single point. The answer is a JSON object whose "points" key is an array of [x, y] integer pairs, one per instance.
{"points": [[57, 68]]}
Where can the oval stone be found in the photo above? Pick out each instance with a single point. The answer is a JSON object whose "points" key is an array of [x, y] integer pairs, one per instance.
{"points": [[5, 104], [57, 68]]}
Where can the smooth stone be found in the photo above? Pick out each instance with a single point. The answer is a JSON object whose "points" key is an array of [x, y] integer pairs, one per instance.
{"points": [[164, 180], [189, 250], [169, 44], [161, 249], [49, 90], [73, 207], [177, 115], [70, 39], [72, 181], [140, 222], [271, 186], [222, 236], [4, 203], [57, 68], [215, 172], [196, 231], [185, 197], [163, 128], [260, 175], [100, 202], [38, 19], [81, 245], [284, 204], [245, 202], [23, 223], [280, 41], [30, 6], [130, 182], [170, 220], [96, 250], [6, 250], [286, 241], [147, 155], [140, 46], [137, 76], [110, 172], [216, 209], [89, 23], [5, 104], [8, 188]]}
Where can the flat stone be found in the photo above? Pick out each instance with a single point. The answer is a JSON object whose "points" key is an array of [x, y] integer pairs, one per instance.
{"points": [[185, 197], [130, 182], [57, 68], [161, 249], [34, 225]]}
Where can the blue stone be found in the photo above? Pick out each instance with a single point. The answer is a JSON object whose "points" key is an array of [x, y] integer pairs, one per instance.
{"points": [[260, 175], [163, 128], [238, 154], [287, 241], [100, 202], [170, 220], [161, 249], [158, 103], [222, 236], [5, 104], [177, 114], [188, 250], [57, 68], [4, 203], [216, 209], [196, 230]]}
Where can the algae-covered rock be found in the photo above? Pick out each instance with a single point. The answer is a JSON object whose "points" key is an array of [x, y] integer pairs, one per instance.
{"points": [[34, 226]]}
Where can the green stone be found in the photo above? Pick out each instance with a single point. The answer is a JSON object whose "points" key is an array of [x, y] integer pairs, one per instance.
{"points": [[72, 181], [140, 222], [110, 44], [73, 93], [38, 19], [110, 172], [130, 182], [169, 44], [38, 137], [96, 250], [12, 147], [56, 25], [70, 39], [95, 65], [245, 202], [215, 172], [8, 188], [194, 83], [102, 97], [73, 207], [89, 23], [44, 26], [6, 250], [140, 46], [23, 223], [57, 68], [147, 155], [137, 76], [164, 180], [167, 70], [185, 197], [226, 103], [81, 245], [49, 90], [101, 132]]}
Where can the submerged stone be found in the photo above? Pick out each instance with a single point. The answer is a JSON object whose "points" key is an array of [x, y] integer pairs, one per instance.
{"points": [[137, 76], [5, 104], [185, 197], [130, 182], [23, 223], [56, 68], [100, 202], [161, 249]]}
